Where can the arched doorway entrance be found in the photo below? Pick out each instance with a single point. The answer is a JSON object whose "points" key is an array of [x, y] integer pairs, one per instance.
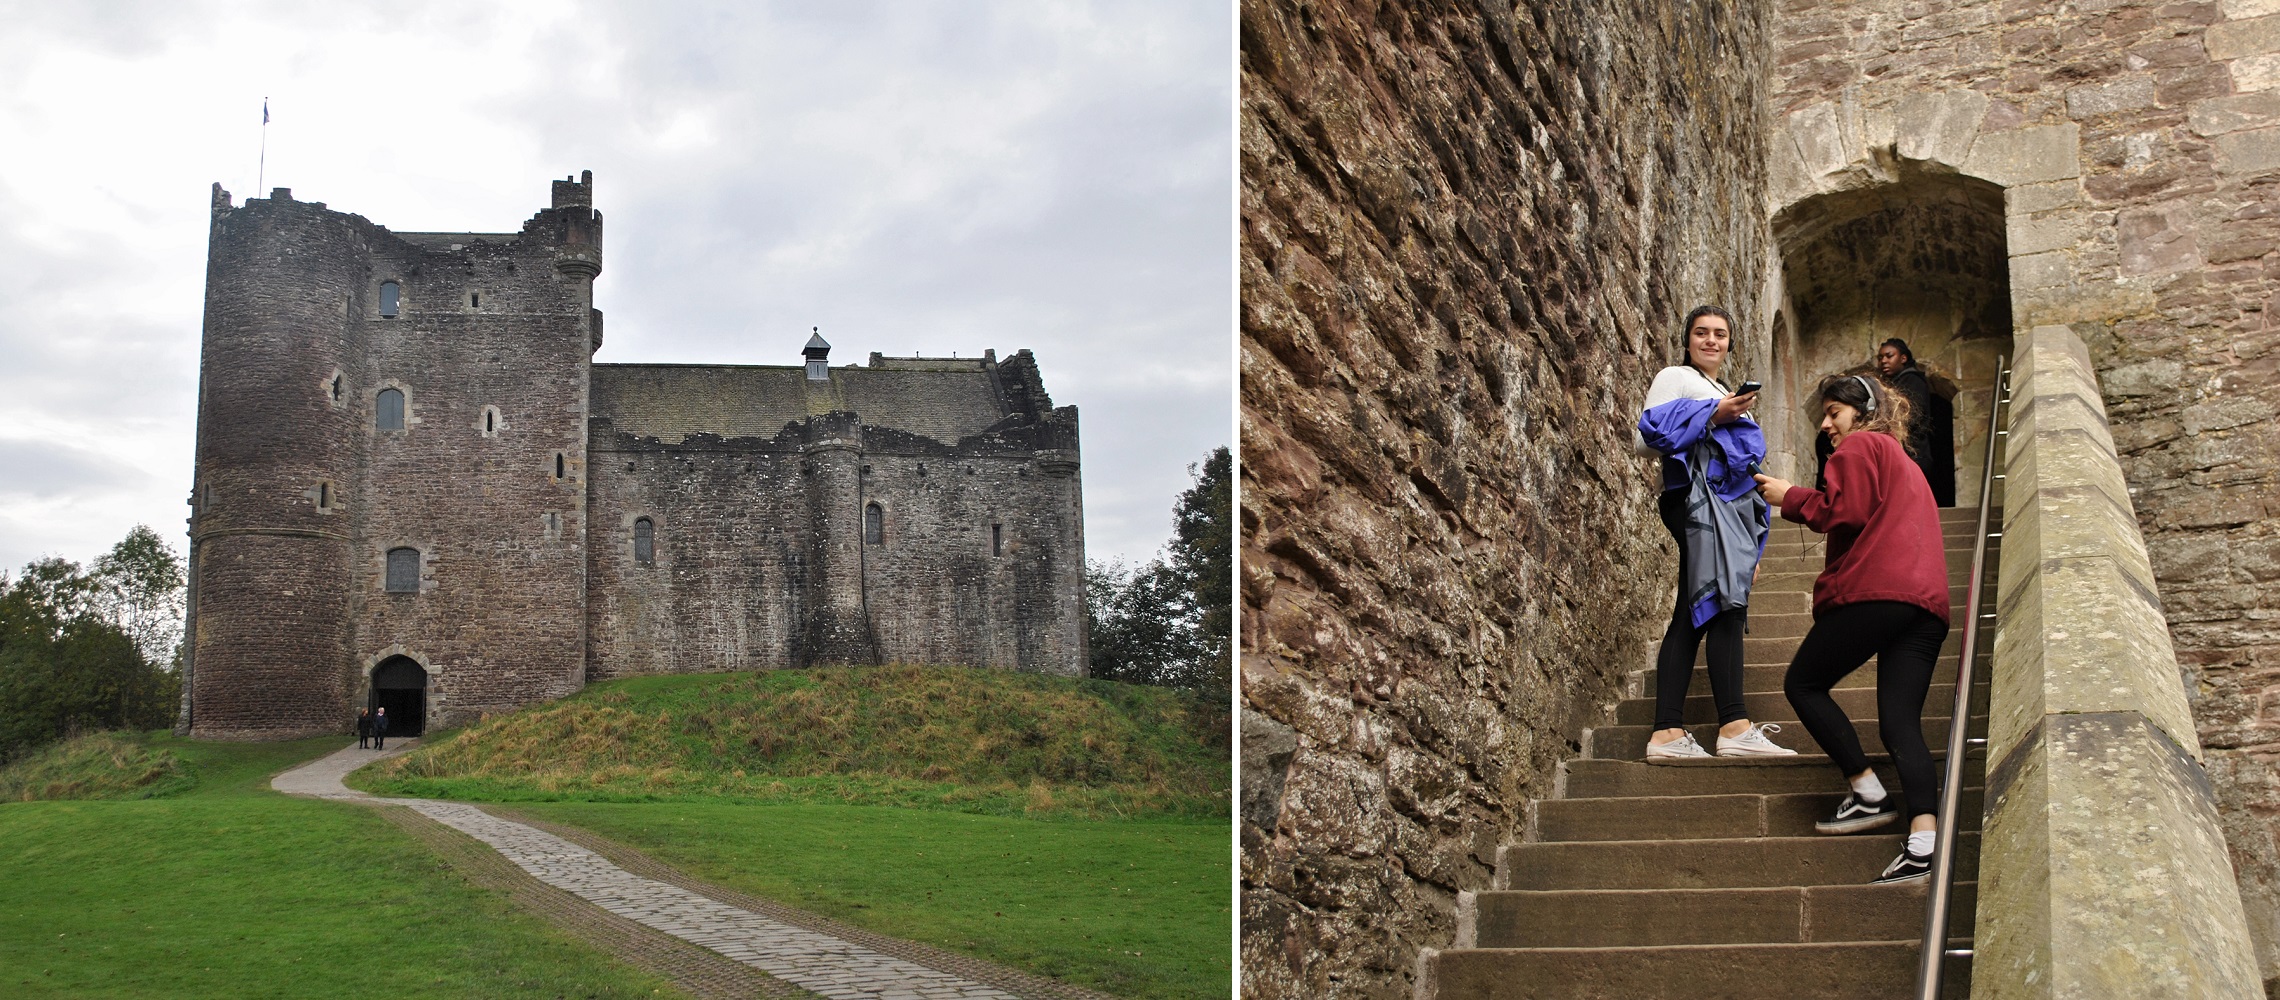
{"points": [[399, 684], [1922, 257]]}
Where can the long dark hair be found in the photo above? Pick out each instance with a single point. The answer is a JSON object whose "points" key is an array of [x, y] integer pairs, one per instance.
{"points": [[1881, 408], [1686, 335]]}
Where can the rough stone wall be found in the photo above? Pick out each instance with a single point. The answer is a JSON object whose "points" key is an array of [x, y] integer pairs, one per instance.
{"points": [[1469, 234], [271, 628], [490, 347], [2139, 147], [759, 562]]}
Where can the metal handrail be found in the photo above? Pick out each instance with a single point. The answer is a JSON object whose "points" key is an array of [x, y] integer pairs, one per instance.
{"points": [[1934, 952]]}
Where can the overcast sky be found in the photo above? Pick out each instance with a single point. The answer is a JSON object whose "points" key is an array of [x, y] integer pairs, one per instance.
{"points": [[913, 177]]}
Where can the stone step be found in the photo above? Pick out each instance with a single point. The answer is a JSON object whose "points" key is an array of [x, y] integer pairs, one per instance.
{"points": [[1630, 742], [1735, 863], [1799, 573], [1767, 677], [1588, 778], [1701, 706], [1776, 658], [1618, 918], [1853, 970], [1705, 817]]}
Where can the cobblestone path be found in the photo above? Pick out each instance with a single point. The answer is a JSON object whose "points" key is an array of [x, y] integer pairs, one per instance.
{"points": [[818, 962]]}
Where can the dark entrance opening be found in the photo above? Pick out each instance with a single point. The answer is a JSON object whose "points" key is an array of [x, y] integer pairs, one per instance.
{"points": [[400, 686]]}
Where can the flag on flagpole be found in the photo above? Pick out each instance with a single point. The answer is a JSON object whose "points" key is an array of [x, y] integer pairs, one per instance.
{"points": [[265, 111]]}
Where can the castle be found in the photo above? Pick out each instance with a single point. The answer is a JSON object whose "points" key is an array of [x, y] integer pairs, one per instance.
{"points": [[416, 489]]}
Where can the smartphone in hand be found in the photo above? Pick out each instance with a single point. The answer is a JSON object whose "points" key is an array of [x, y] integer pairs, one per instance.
{"points": [[1749, 387]]}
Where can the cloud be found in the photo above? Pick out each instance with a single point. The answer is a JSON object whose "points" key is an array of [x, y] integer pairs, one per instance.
{"points": [[912, 178]]}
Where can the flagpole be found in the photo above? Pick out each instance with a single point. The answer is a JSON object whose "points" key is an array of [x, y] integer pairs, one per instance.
{"points": [[261, 172]]}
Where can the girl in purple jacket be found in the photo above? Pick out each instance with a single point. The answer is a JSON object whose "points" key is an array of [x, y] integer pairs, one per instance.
{"points": [[1691, 417]]}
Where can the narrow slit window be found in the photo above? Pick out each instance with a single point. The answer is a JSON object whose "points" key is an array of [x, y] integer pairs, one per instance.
{"points": [[997, 539], [491, 421], [475, 299], [334, 389], [390, 415], [391, 296], [560, 465], [404, 571], [874, 525], [644, 540], [324, 495]]}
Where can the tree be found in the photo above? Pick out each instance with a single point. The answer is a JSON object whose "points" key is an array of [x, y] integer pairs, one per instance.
{"points": [[139, 590], [1203, 564], [1169, 622], [68, 662], [1136, 620]]}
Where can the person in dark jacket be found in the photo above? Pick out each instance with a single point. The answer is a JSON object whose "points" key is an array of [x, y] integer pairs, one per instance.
{"points": [[1931, 429], [1882, 592], [363, 727], [380, 729]]}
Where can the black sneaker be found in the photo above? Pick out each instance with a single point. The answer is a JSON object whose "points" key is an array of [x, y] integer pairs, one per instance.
{"points": [[1906, 868], [1854, 815]]}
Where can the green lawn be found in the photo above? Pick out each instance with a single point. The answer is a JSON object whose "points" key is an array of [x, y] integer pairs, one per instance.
{"points": [[229, 890], [1135, 908]]}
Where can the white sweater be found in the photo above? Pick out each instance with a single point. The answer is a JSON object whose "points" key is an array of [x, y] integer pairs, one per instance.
{"points": [[1671, 384]]}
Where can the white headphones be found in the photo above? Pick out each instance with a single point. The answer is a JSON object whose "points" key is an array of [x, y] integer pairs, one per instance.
{"points": [[1871, 390]]}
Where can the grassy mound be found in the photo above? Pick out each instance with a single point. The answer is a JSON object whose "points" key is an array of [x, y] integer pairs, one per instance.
{"points": [[94, 766], [985, 741]]}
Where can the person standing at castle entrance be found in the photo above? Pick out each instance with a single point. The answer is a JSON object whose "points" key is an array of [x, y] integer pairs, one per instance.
{"points": [[1709, 448], [1931, 426], [380, 729], [1882, 592], [363, 727]]}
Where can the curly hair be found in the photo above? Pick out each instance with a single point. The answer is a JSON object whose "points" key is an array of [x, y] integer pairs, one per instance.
{"points": [[1882, 408]]}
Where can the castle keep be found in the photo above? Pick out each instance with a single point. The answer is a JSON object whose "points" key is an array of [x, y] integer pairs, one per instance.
{"points": [[415, 488]]}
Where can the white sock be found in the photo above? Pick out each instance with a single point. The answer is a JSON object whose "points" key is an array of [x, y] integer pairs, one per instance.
{"points": [[1868, 788], [1920, 842]]}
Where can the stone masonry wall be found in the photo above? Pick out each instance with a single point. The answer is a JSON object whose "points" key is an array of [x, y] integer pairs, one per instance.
{"points": [[491, 349], [2139, 147], [1469, 233], [742, 547]]}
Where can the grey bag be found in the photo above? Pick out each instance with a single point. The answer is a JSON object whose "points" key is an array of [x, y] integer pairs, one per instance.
{"points": [[1724, 540]]}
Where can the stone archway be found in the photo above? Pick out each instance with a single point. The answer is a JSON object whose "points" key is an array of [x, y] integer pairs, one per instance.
{"points": [[1922, 257], [399, 684], [1916, 220]]}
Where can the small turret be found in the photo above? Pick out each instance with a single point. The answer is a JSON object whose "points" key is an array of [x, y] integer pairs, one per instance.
{"points": [[816, 353]]}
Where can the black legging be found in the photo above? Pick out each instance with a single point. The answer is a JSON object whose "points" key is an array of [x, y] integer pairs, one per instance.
{"points": [[1905, 640], [1674, 666]]}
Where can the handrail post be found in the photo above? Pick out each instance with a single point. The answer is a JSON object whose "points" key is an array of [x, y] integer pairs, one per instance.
{"points": [[1934, 951]]}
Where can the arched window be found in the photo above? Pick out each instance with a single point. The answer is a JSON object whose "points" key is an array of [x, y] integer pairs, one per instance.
{"points": [[644, 540], [390, 295], [404, 571], [874, 525], [390, 415]]}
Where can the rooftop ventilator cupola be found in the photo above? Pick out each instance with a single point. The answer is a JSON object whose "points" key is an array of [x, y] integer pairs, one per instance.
{"points": [[816, 351]]}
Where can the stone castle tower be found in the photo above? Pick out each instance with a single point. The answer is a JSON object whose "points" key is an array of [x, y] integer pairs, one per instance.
{"points": [[416, 489]]}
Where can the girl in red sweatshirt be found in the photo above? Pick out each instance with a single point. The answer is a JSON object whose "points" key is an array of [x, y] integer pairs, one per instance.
{"points": [[1883, 592]]}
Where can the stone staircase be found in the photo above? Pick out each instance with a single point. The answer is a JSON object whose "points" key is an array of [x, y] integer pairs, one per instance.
{"points": [[1706, 879]]}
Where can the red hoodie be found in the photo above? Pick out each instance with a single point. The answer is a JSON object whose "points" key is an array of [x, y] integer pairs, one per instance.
{"points": [[1884, 530]]}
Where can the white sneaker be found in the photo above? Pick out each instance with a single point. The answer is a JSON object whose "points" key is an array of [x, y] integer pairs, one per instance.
{"points": [[1679, 749], [1752, 743]]}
